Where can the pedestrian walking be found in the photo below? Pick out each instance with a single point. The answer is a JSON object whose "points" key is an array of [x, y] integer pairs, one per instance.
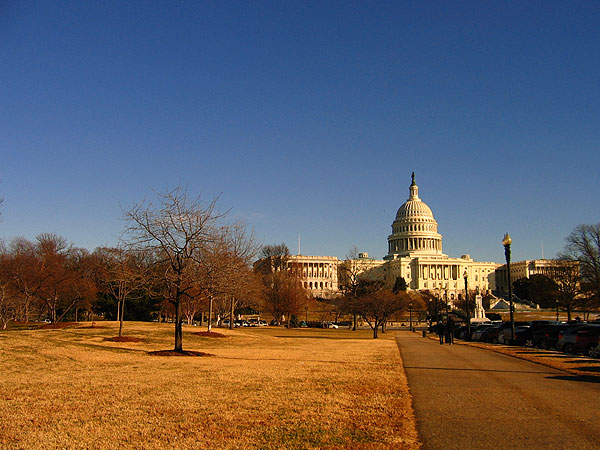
{"points": [[439, 329], [450, 332]]}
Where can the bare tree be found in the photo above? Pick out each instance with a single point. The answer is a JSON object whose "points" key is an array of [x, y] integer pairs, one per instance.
{"points": [[7, 303], [243, 285], [122, 273], [213, 273], [272, 258], [583, 245], [567, 282], [193, 303], [378, 306], [353, 271], [177, 229], [22, 267], [283, 296], [84, 286], [55, 278]]}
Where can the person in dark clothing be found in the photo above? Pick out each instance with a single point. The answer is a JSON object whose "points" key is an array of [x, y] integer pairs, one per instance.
{"points": [[450, 332], [439, 328]]}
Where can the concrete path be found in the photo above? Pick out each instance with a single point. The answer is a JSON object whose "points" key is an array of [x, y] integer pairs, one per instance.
{"points": [[471, 398]]}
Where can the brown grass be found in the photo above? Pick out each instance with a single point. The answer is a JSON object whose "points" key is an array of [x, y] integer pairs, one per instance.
{"points": [[57, 325], [267, 388]]}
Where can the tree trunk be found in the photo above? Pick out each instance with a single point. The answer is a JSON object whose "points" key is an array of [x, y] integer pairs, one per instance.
{"points": [[178, 325], [210, 305], [121, 318], [375, 328], [354, 322], [231, 315]]}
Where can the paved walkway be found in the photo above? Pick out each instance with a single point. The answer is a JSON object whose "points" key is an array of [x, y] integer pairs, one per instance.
{"points": [[471, 398]]}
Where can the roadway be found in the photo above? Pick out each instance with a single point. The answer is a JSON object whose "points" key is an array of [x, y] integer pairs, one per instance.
{"points": [[471, 398]]}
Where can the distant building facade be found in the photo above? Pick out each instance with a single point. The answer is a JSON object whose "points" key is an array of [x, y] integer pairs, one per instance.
{"points": [[414, 253], [317, 274], [525, 269]]}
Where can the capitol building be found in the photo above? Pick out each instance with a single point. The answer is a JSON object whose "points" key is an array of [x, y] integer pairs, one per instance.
{"points": [[414, 253]]}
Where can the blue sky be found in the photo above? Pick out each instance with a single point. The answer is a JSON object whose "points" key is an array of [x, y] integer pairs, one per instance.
{"points": [[307, 118]]}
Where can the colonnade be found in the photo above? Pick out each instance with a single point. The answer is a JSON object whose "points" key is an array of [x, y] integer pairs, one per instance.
{"points": [[407, 244], [316, 275], [439, 271]]}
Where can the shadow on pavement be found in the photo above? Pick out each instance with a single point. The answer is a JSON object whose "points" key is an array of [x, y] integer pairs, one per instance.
{"points": [[462, 369], [580, 378], [590, 369]]}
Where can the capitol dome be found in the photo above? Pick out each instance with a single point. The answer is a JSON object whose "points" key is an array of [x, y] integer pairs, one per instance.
{"points": [[414, 229]]}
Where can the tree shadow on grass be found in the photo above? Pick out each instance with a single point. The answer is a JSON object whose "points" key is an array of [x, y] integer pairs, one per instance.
{"points": [[181, 353], [325, 337], [210, 334], [124, 339]]}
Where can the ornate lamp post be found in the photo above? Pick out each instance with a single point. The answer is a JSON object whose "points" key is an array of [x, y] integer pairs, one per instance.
{"points": [[506, 243], [466, 277], [410, 316]]}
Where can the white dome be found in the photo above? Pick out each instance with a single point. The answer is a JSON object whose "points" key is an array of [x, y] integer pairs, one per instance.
{"points": [[414, 207], [414, 228]]}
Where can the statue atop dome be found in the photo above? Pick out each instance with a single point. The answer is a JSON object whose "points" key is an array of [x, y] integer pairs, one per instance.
{"points": [[413, 180]]}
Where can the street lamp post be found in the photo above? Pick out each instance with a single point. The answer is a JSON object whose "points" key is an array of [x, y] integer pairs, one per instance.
{"points": [[466, 276], [506, 243], [557, 310], [410, 316]]}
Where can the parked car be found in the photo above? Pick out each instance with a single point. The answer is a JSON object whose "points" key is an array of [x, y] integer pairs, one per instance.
{"points": [[586, 340], [567, 337], [524, 334], [459, 333], [491, 334], [479, 331], [546, 337], [504, 337]]}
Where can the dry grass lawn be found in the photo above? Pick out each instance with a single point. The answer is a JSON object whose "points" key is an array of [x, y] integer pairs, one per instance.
{"points": [[266, 388]]}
